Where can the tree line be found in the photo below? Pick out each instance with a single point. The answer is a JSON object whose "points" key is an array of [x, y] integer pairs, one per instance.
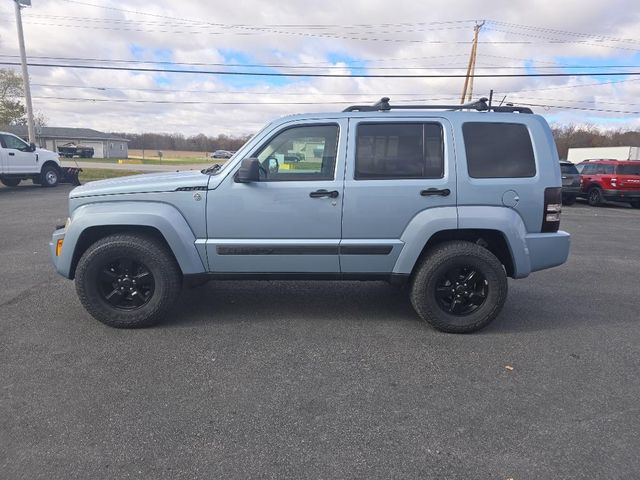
{"points": [[177, 141], [572, 136]]}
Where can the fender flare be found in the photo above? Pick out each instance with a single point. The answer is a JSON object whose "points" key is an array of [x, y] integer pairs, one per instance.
{"points": [[163, 217], [433, 220]]}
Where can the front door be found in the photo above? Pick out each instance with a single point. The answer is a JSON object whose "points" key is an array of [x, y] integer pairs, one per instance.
{"points": [[397, 170], [18, 157], [290, 220]]}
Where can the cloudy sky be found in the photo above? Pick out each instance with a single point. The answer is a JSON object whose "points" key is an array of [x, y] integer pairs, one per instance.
{"points": [[335, 37]]}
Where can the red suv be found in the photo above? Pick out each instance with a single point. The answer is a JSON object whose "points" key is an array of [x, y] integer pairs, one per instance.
{"points": [[615, 180]]}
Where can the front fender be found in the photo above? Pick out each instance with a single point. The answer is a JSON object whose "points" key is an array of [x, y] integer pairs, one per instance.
{"points": [[161, 216]]}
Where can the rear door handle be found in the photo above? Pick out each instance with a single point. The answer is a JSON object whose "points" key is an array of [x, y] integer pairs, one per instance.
{"points": [[324, 193], [434, 191]]}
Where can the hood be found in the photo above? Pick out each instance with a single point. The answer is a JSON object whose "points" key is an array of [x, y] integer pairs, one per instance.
{"points": [[147, 183], [45, 152]]}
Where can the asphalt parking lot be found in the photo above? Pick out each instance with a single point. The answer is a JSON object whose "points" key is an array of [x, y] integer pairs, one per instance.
{"points": [[324, 379]]}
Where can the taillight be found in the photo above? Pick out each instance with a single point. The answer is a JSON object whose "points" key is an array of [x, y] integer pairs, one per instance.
{"points": [[552, 209]]}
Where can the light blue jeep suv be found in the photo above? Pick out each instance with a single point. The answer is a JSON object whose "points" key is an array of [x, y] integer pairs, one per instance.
{"points": [[450, 200]]}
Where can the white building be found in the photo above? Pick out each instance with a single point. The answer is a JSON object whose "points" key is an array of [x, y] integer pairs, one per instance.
{"points": [[577, 155]]}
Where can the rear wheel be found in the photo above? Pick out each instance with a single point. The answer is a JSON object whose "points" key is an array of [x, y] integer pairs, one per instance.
{"points": [[128, 280], [595, 197], [49, 176], [10, 182], [568, 200], [459, 287]]}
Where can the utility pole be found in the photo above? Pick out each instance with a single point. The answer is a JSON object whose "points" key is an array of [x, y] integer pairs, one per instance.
{"points": [[25, 73], [471, 68]]}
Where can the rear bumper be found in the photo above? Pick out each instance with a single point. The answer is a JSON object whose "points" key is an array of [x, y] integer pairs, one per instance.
{"points": [[571, 190], [547, 250]]}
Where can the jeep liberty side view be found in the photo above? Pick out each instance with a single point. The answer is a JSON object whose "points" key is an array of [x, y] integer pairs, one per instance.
{"points": [[450, 200]]}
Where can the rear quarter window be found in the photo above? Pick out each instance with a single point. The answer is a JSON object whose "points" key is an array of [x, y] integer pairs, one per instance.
{"points": [[628, 169], [498, 150]]}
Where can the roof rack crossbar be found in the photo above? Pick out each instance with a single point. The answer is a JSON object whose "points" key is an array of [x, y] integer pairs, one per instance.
{"points": [[479, 105]]}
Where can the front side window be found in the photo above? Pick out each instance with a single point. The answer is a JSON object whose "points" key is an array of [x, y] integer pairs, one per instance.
{"points": [[604, 169], [10, 141], [498, 150], [300, 153]]}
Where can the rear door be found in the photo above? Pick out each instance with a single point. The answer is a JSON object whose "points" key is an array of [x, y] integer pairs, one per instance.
{"points": [[628, 176], [396, 169], [18, 158]]}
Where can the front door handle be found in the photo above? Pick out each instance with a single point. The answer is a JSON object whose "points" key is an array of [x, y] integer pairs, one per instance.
{"points": [[324, 193], [434, 191], [11, 154]]}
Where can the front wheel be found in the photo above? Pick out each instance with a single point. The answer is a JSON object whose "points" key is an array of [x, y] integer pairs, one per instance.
{"points": [[595, 197], [128, 280], [459, 287], [49, 176], [10, 182]]}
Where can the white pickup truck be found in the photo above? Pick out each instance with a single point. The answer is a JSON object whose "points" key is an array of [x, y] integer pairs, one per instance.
{"points": [[22, 161]]}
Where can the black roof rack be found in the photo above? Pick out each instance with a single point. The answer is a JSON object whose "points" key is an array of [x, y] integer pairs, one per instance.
{"points": [[479, 105]]}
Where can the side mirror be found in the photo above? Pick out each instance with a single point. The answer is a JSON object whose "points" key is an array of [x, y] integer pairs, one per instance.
{"points": [[249, 171], [32, 147]]}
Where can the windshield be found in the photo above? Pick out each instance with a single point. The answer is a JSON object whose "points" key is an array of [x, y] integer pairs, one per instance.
{"points": [[631, 169], [219, 167]]}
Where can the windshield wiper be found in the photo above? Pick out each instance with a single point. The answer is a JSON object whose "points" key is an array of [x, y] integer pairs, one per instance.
{"points": [[212, 169]]}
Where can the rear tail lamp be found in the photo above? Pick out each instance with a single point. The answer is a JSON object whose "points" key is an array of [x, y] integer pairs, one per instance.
{"points": [[552, 209]]}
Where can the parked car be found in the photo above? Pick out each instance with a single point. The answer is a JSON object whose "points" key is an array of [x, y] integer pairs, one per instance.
{"points": [[391, 199], [613, 180], [570, 182], [70, 150], [20, 160], [221, 154]]}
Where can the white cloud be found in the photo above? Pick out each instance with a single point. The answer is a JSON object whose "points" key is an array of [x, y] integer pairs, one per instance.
{"points": [[191, 31]]}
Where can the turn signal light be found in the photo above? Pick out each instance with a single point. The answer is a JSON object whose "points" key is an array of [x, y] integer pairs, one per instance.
{"points": [[59, 247]]}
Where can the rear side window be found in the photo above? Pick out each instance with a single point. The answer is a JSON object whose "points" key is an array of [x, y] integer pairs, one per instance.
{"points": [[498, 150], [628, 169], [399, 151], [567, 168]]}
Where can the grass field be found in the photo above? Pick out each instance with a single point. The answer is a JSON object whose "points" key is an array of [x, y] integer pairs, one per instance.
{"points": [[170, 156], [90, 174]]}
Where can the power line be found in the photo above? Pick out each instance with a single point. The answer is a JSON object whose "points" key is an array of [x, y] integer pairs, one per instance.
{"points": [[328, 75], [271, 65]]}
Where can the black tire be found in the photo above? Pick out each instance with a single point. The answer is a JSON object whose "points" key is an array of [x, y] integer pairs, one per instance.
{"points": [[49, 176], [595, 197], [635, 204], [10, 182], [100, 269], [481, 296], [569, 200]]}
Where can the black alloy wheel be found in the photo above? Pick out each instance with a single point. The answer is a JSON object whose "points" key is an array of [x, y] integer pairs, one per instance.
{"points": [[126, 284], [461, 290]]}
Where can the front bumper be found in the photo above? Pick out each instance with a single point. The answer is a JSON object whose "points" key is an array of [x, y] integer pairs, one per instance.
{"points": [[548, 250], [60, 265]]}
